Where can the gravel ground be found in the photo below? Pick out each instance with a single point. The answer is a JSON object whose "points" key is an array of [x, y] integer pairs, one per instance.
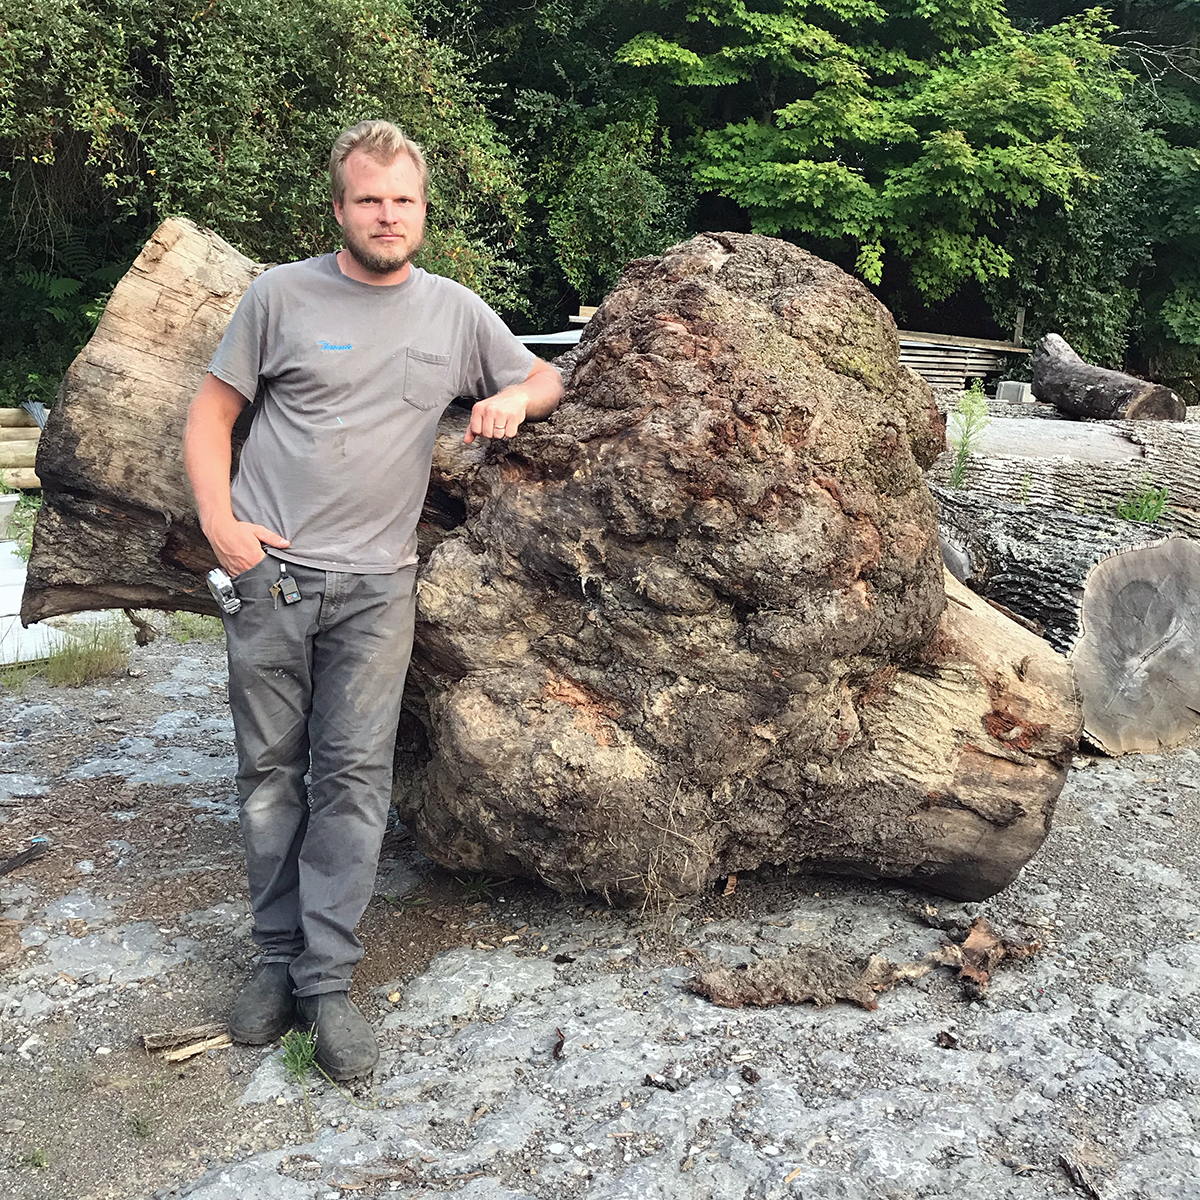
{"points": [[542, 1047]]}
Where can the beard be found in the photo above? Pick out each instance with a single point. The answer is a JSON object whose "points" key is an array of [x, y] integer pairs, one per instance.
{"points": [[381, 258]]}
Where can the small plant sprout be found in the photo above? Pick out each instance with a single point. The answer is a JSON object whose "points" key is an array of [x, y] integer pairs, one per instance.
{"points": [[1026, 480], [966, 426], [299, 1059], [140, 1125], [477, 887], [37, 1158], [1145, 506]]}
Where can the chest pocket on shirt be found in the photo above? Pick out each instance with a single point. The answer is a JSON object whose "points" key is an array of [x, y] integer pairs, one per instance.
{"points": [[427, 379]]}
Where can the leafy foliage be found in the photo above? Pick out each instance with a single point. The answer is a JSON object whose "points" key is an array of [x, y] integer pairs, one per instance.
{"points": [[117, 113], [968, 420], [1145, 506], [912, 130]]}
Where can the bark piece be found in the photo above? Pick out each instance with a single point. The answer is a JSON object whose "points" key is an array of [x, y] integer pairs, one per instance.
{"points": [[1138, 661], [1086, 467], [1063, 379], [819, 976], [179, 1037], [118, 527]]}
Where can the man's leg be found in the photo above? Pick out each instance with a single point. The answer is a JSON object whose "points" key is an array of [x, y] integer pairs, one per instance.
{"points": [[359, 662], [270, 695]]}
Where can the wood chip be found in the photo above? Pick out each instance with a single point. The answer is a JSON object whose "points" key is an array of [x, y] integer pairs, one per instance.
{"points": [[1077, 1174], [794, 1175], [179, 1037], [212, 1043], [730, 886]]}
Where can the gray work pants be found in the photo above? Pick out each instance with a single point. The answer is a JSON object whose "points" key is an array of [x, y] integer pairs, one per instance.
{"points": [[316, 686]]}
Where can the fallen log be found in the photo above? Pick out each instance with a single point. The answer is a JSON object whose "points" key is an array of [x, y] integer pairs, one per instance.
{"points": [[1062, 378], [694, 623], [118, 527], [1034, 561], [1086, 467], [1136, 595]]}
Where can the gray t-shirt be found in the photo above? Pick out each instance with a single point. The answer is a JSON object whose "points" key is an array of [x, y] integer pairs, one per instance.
{"points": [[349, 380]]}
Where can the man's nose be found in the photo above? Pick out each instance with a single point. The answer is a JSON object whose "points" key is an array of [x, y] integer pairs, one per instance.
{"points": [[389, 212]]}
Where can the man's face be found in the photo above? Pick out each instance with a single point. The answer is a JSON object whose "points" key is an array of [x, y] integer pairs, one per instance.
{"points": [[382, 214]]}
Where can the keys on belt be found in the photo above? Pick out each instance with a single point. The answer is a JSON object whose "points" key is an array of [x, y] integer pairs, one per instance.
{"points": [[284, 586]]}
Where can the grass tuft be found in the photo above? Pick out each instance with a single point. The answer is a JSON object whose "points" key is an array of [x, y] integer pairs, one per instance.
{"points": [[965, 427], [195, 627], [1145, 506], [96, 652]]}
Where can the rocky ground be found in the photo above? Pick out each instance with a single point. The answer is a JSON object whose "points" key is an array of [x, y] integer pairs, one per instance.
{"points": [[548, 1048]]}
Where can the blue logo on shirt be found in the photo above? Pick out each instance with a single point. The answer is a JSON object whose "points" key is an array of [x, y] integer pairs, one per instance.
{"points": [[336, 345]]}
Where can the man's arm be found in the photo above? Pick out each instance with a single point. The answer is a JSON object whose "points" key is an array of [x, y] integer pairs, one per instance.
{"points": [[501, 415], [207, 455]]}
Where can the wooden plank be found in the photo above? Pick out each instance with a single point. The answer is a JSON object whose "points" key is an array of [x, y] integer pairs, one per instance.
{"points": [[21, 478], [16, 416], [18, 433], [18, 454], [946, 339]]}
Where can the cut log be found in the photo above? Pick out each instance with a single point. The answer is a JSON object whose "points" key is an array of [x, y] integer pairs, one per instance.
{"points": [[1062, 378], [18, 433], [1138, 661], [16, 418], [1087, 467], [118, 527], [21, 478], [1136, 669], [1033, 561], [692, 624], [18, 454]]}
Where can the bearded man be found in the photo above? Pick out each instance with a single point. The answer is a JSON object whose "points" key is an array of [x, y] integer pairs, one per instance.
{"points": [[349, 360]]}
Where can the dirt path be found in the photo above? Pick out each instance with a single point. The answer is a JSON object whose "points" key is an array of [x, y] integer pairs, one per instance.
{"points": [[136, 922]]}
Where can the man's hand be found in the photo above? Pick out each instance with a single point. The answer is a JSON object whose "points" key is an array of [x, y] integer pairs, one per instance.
{"points": [[501, 415], [498, 416], [238, 545]]}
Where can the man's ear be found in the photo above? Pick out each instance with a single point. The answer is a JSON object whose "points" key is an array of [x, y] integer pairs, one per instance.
{"points": [[338, 211]]}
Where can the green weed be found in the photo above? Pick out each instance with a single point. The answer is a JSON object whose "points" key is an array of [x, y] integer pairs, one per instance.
{"points": [[477, 887], [20, 526], [1145, 506], [37, 1157], [195, 627], [967, 423], [96, 652], [299, 1060], [140, 1125]]}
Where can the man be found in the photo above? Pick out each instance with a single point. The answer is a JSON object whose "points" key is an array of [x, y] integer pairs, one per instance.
{"points": [[349, 360]]}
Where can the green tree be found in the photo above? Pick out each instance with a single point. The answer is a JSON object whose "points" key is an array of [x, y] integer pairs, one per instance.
{"points": [[912, 130], [117, 113]]}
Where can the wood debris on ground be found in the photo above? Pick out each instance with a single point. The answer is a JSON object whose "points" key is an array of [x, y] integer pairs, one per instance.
{"points": [[187, 1042], [822, 977]]}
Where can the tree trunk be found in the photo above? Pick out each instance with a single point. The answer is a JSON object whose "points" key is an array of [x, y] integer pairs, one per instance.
{"points": [[1086, 467], [1033, 561], [118, 527], [1138, 661], [1062, 378], [694, 623]]}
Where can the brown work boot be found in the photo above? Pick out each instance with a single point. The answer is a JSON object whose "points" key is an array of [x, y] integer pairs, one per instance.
{"points": [[264, 1008], [346, 1046]]}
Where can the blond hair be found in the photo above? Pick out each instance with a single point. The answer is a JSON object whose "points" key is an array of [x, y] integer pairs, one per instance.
{"points": [[384, 143]]}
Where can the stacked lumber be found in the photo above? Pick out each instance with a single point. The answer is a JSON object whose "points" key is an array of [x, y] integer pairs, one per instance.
{"points": [[19, 437]]}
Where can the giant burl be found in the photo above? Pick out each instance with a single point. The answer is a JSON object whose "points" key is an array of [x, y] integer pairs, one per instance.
{"points": [[693, 624]]}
